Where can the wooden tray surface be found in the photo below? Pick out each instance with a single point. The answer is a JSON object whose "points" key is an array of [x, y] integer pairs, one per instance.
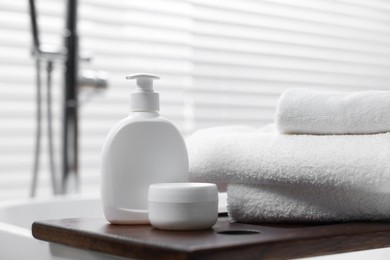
{"points": [[224, 241]]}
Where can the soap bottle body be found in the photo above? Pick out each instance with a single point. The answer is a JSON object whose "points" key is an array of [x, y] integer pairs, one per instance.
{"points": [[140, 150]]}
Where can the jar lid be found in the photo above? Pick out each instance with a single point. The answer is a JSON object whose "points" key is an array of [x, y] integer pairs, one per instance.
{"points": [[183, 192]]}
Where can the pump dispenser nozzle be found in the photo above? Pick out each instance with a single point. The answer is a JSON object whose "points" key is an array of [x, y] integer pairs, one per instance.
{"points": [[144, 99], [144, 81]]}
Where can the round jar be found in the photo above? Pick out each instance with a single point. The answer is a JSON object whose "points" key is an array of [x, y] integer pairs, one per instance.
{"points": [[183, 206]]}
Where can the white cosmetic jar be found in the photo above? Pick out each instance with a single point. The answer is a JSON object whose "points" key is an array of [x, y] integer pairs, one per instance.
{"points": [[183, 206]]}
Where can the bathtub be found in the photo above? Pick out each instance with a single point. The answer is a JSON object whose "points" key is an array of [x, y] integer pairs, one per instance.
{"points": [[16, 241], [16, 217]]}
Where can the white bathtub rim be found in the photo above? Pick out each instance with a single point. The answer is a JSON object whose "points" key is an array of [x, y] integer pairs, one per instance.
{"points": [[49, 199]]}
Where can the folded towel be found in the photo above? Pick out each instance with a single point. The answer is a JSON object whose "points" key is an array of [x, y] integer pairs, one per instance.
{"points": [[247, 155], [272, 204], [305, 111]]}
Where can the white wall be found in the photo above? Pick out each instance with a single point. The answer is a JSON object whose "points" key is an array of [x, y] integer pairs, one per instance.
{"points": [[221, 62]]}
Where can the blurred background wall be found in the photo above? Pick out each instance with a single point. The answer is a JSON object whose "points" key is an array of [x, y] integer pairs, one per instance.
{"points": [[221, 62]]}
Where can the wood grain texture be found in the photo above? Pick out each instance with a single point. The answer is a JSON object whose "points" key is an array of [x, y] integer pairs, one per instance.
{"points": [[273, 241]]}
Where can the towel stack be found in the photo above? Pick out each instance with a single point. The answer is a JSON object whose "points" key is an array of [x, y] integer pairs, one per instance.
{"points": [[328, 160]]}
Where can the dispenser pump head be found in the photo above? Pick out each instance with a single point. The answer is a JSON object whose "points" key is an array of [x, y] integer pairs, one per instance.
{"points": [[144, 81], [144, 99]]}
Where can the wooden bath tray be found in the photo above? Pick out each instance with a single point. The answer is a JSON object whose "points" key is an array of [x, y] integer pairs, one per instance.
{"points": [[224, 241]]}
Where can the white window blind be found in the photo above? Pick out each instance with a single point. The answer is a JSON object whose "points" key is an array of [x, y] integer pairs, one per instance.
{"points": [[221, 62]]}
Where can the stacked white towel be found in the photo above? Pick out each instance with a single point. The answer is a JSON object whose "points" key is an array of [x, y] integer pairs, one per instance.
{"points": [[305, 111], [253, 203], [276, 177]]}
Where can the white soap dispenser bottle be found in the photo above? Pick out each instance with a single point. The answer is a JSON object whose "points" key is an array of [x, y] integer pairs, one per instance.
{"points": [[142, 149]]}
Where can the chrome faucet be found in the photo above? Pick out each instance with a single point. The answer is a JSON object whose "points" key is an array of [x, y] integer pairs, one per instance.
{"points": [[74, 80]]}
